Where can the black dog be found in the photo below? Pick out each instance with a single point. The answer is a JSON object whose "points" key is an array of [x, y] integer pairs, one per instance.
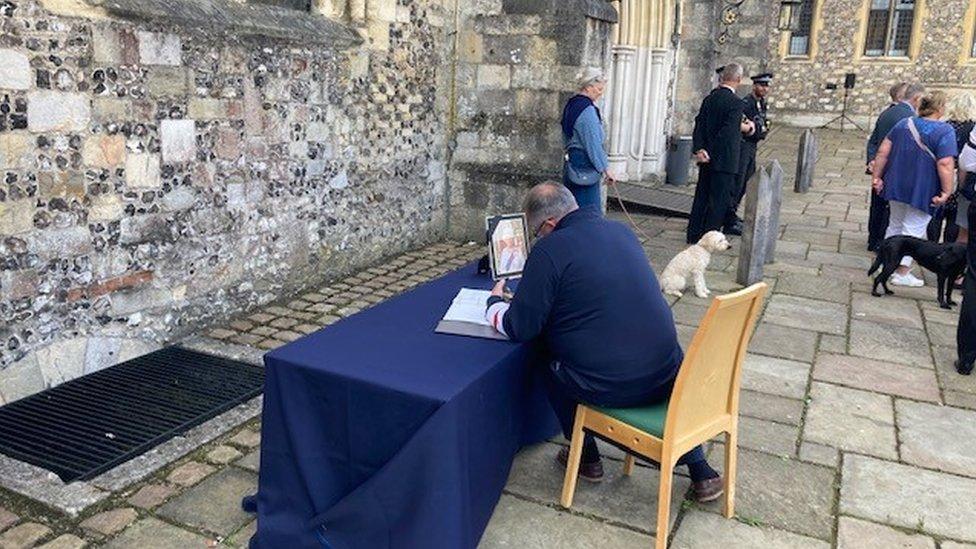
{"points": [[947, 261]]}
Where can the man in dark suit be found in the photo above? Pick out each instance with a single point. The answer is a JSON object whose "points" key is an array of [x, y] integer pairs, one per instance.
{"points": [[719, 127], [904, 103], [755, 110]]}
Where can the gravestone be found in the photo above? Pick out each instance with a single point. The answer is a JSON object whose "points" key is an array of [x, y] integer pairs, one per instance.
{"points": [[761, 229], [806, 160]]}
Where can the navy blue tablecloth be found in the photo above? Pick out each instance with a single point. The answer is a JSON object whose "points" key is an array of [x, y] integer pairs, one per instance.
{"points": [[376, 432]]}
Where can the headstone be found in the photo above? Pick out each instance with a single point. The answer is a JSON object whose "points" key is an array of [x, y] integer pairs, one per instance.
{"points": [[775, 203], [805, 162], [761, 223]]}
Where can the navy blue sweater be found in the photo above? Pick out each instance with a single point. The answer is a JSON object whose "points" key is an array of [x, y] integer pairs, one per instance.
{"points": [[588, 290]]}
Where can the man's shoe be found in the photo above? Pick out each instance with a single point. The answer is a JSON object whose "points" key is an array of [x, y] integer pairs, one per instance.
{"points": [[707, 490], [592, 472], [907, 280], [965, 369], [734, 230]]}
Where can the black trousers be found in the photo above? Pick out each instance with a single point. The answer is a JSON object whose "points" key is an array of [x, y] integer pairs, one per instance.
{"points": [[966, 334], [877, 221], [713, 196], [564, 397], [747, 163]]}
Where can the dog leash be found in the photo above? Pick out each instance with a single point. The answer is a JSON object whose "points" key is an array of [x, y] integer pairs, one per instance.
{"points": [[627, 213]]}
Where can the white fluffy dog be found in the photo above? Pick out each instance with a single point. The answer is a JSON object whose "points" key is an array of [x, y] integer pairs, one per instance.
{"points": [[692, 263]]}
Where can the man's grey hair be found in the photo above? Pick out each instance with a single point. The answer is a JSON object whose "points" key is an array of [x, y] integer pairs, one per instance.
{"points": [[591, 77], [732, 73], [913, 91], [897, 92], [547, 200]]}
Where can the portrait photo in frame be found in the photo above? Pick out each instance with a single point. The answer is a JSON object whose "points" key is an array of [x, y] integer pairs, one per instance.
{"points": [[508, 245]]}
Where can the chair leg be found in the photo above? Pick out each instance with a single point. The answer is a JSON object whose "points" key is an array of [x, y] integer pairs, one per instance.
{"points": [[664, 504], [628, 464], [575, 454], [731, 453]]}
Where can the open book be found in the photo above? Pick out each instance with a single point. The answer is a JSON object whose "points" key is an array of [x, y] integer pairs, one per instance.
{"points": [[466, 316]]}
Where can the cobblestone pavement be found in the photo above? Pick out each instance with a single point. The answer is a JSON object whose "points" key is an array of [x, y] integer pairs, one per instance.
{"points": [[855, 432]]}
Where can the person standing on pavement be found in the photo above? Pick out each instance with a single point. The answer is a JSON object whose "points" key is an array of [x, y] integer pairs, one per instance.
{"points": [[966, 332], [755, 110], [586, 163], [915, 169], [904, 103], [717, 142]]}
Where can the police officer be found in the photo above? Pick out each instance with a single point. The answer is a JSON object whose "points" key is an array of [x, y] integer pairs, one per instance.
{"points": [[755, 110]]}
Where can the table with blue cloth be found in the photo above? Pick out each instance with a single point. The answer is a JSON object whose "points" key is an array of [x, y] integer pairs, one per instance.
{"points": [[377, 432]]}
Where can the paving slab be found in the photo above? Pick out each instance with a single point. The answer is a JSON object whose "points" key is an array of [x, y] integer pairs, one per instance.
{"points": [[942, 335], [770, 407], [631, 501], [520, 524], [7, 519], [908, 497], [251, 462], [23, 535], [807, 314], [951, 380], [769, 437], [777, 376], [765, 483], [110, 522], [851, 420], [242, 537], [214, 505], [151, 495], [886, 310], [784, 342], [937, 437], [875, 375], [700, 530], [854, 533], [833, 343], [66, 541], [819, 454], [151, 532], [900, 344]]}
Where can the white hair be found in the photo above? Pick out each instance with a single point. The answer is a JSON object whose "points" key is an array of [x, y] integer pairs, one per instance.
{"points": [[732, 73], [591, 77]]}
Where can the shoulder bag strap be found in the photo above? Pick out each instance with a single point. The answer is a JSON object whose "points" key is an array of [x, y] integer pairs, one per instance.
{"points": [[918, 139]]}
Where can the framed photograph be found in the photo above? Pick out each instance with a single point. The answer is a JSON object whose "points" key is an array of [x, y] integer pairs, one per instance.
{"points": [[508, 245]]}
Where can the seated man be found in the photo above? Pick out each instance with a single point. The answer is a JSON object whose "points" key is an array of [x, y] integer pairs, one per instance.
{"points": [[589, 293]]}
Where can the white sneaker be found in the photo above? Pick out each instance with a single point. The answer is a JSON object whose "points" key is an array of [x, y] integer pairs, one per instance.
{"points": [[908, 280]]}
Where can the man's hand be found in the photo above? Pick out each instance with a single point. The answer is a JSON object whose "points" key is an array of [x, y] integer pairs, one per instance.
{"points": [[871, 167], [499, 289], [941, 199], [702, 156], [877, 184]]}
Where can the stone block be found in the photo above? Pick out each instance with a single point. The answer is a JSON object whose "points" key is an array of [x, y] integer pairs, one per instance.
{"points": [[110, 522], [16, 216], [775, 376], [900, 344], [852, 420], [761, 223], [59, 243], [106, 46], [108, 109], [142, 171], [494, 76], [50, 111], [858, 534], [907, 497], [770, 407], [180, 198], [189, 473], [815, 287], [206, 108], [15, 150], [65, 541], [937, 437], [15, 70], [878, 376], [101, 353], [159, 49], [7, 519], [766, 436], [820, 454], [167, 82], [105, 207], [806, 162], [104, 151], [151, 495], [178, 140], [700, 530], [471, 47], [223, 455], [62, 360], [228, 145], [520, 523], [251, 462], [886, 310], [151, 532], [25, 535], [808, 314], [214, 505]]}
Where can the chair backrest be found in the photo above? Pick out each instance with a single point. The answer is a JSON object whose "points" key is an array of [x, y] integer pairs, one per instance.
{"points": [[707, 387]]}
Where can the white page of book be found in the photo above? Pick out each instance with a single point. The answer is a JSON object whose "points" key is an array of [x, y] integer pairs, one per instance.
{"points": [[469, 306]]}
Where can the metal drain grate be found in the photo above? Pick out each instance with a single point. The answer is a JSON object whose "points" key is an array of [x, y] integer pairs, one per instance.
{"points": [[87, 426]]}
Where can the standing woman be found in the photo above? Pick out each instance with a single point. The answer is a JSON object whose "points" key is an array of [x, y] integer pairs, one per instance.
{"points": [[914, 170], [966, 334], [586, 163], [961, 114]]}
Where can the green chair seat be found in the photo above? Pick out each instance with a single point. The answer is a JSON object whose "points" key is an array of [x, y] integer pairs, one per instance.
{"points": [[649, 419]]}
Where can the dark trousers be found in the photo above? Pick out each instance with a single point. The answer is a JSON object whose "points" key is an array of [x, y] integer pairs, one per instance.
{"points": [[586, 195], [747, 163], [564, 396], [966, 333], [877, 221], [713, 194]]}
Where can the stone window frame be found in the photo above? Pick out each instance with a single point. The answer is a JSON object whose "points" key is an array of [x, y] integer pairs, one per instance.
{"points": [[968, 54], [816, 23], [915, 40]]}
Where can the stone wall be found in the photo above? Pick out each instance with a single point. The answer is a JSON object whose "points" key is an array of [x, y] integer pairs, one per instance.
{"points": [[519, 61], [159, 177], [800, 93]]}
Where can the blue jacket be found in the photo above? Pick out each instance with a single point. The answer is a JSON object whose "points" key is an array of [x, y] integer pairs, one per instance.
{"points": [[589, 292], [887, 120], [585, 147]]}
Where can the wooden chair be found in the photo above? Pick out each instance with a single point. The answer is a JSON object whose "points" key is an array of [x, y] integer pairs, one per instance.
{"points": [[703, 404]]}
